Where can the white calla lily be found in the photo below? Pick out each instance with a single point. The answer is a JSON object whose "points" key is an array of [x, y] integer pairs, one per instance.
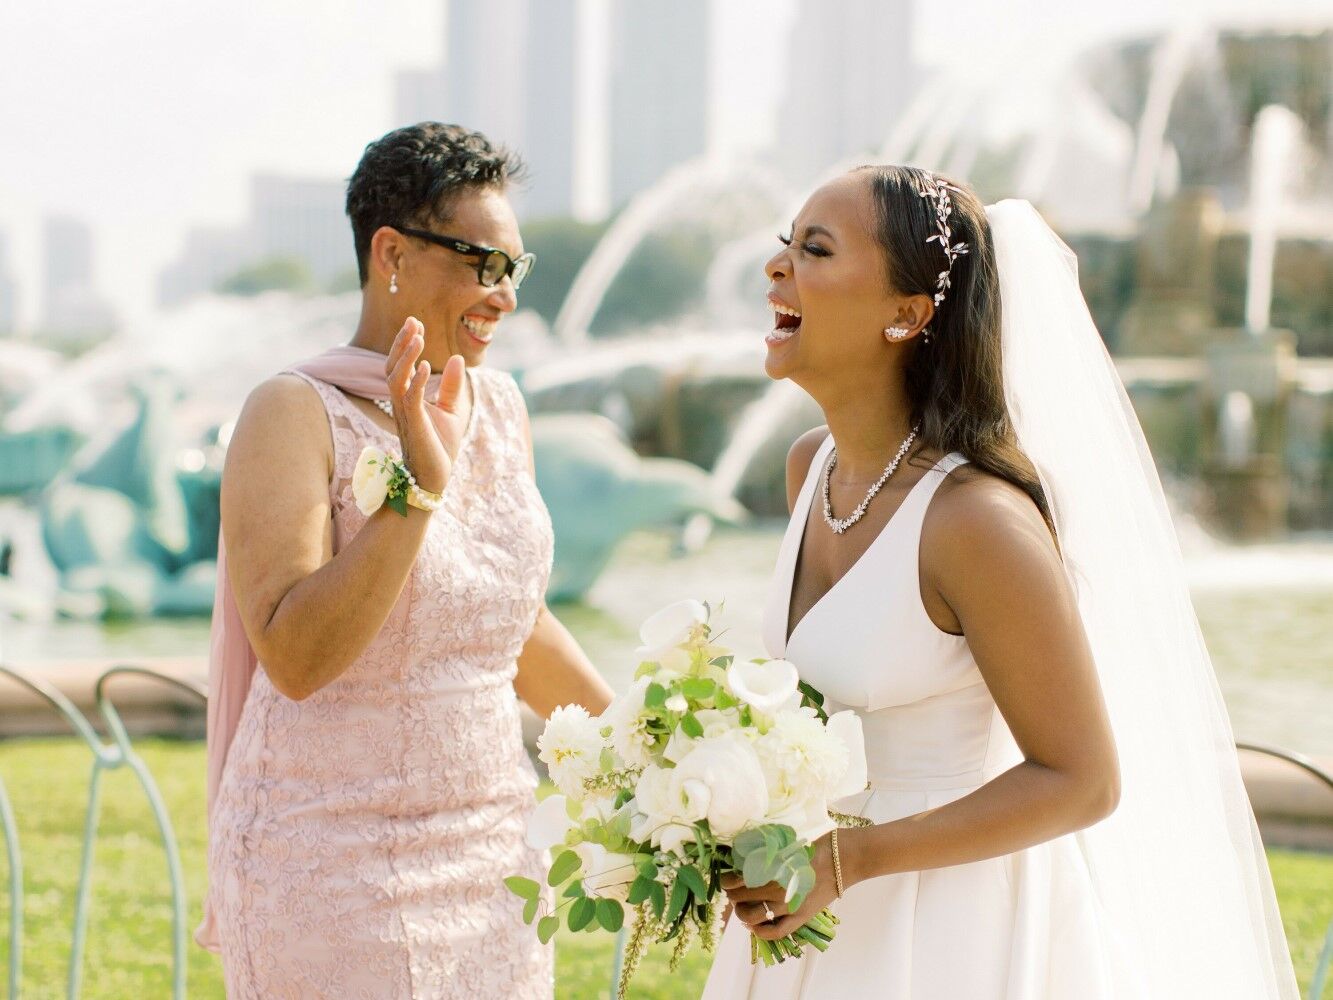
{"points": [[606, 873], [764, 686], [663, 632], [549, 823]]}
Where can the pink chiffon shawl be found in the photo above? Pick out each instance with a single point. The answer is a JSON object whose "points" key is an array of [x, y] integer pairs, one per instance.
{"points": [[231, 658]]}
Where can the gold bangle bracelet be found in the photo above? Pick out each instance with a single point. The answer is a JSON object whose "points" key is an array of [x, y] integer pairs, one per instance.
{"points": [[837, 865]]}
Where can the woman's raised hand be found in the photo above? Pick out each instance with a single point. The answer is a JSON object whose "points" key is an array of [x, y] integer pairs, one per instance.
{"points": [[430, 432]]}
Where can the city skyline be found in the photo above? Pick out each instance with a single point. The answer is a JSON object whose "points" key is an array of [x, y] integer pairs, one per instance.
{"points": [[147, 146]]}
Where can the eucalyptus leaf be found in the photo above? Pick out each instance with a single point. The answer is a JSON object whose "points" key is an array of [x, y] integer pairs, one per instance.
{"points": [[530, 910], [757, 870], [691, 726]]}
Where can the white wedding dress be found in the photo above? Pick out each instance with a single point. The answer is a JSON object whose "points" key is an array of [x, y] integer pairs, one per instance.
{"points": [[1025, 925], [1170, 897]]}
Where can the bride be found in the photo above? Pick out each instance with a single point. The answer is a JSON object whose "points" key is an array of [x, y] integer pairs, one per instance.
{"points": [[980, 563]]}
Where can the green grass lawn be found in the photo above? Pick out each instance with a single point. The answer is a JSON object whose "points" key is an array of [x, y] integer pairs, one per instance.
{"points": [[129, 935]]}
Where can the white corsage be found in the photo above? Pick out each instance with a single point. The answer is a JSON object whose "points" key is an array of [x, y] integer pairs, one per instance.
{"points": [[381, 477]]}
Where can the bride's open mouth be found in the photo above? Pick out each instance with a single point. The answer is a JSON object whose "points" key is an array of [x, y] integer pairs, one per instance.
{"points": [[786, 323]]}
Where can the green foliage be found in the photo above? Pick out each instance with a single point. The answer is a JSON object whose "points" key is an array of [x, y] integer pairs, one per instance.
{"points": [[663, 277], [523, 888], [564, 866], [271, 274], [812, 698], [546, 927], [561, 246], [771, 853], [129, 939], [610, 914], [698, 688]]}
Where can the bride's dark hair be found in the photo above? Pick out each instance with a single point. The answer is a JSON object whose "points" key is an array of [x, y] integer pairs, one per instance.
{"points": [[955, 383]]}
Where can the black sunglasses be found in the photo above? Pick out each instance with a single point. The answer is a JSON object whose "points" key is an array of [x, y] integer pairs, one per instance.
{"points": [[492, 264]]}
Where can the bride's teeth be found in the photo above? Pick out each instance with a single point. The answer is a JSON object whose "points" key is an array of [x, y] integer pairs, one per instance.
{"points": [[785, 311]]}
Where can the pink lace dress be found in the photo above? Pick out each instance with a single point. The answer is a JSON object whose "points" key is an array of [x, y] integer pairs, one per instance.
{"points": [[360, 837]]}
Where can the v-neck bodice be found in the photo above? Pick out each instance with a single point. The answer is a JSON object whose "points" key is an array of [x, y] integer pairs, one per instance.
{"points": [[868, 644]]}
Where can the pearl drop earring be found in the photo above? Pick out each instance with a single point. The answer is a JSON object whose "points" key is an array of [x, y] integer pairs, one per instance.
{"points": [[393, 284], [896, 332]]}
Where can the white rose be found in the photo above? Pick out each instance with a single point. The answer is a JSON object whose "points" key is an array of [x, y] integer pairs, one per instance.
{"points": [[625, 716], [370, 480], [606, 873], [663, 633], [549, 823], [571, 748], [767, 687], [656, 818], [720, 780]]}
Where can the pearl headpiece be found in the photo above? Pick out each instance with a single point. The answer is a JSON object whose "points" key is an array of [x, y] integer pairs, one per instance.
{"points": [[938, 189]]}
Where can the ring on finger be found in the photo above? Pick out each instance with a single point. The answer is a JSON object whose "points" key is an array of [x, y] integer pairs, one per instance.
{"points": [[768, 912]]}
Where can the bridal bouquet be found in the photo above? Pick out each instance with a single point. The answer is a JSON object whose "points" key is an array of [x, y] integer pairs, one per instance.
{"points": [[706, 766]]}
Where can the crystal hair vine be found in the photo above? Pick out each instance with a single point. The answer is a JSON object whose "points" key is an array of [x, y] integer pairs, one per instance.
{"points": [[938, 189]]}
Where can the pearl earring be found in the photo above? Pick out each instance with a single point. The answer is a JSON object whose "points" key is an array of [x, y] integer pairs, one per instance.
{"points": [[896, 332], [393, 284]]}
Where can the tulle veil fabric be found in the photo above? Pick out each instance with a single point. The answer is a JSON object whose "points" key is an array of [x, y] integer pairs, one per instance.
{"points": [[1179, 867]]}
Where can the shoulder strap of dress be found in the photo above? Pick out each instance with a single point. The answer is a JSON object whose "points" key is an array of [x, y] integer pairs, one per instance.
{"points": [[812, 476], [341, 415]]}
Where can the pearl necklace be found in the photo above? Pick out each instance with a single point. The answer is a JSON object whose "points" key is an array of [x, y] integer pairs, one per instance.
{"points": [[384, 405], [839, 526]]}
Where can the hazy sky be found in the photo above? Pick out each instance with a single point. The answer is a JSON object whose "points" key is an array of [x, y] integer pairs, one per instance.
{"points": [[145, 117]]}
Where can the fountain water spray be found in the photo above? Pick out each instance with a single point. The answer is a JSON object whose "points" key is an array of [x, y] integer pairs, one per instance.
{"points": [[1277, 137]]}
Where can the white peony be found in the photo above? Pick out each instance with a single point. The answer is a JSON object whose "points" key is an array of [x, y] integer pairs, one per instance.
{"points": [[549, 823], [627, 719], [571, 748], [664, 632], [370, 480], [720, 780], [606, 873], [806, 755], [768, 687]]}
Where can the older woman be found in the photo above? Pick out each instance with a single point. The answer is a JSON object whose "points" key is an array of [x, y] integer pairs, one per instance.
{"points": [[368, 783]]}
